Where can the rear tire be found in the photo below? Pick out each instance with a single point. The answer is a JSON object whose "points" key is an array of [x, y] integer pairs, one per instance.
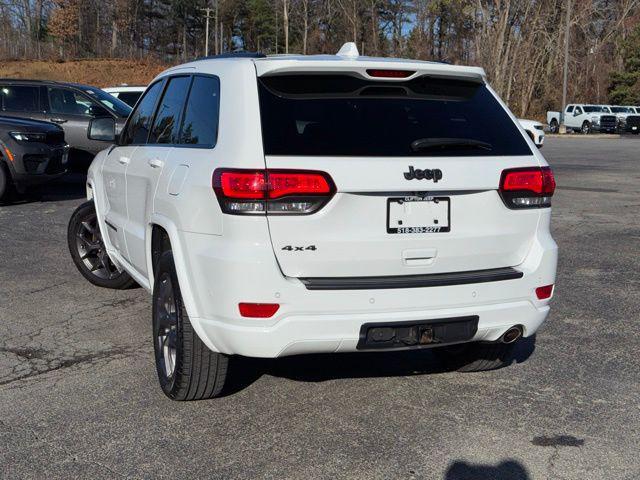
{"points": [[553, 126], [88, 251], [477, 356], [187, 369]]}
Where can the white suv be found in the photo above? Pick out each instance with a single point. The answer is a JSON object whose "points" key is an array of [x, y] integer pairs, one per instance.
{"points": [[303, 204]]}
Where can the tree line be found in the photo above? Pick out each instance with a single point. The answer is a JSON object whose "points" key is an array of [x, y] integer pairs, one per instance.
{"points": [[520, 43]]}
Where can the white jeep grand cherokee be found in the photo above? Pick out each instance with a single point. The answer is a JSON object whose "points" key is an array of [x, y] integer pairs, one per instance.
{"points": [[300, 204]]}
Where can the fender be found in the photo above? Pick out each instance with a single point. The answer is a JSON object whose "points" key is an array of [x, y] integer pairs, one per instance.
{"points": [[182, 269]]}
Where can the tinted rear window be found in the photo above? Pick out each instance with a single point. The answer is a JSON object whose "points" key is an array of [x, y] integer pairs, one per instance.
{"points": [[18, 98], [341, 115]]}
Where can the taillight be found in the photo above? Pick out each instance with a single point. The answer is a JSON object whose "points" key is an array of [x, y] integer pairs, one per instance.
{"points": [[287, 192], [527, 187], [380, 73]]}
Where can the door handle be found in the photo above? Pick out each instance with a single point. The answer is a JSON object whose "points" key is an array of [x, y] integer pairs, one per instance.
{"points": [[124, 160], [155, 163], [58, 120]]}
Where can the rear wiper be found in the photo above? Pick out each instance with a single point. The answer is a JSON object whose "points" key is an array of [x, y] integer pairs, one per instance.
{"points": [[443, 143]]}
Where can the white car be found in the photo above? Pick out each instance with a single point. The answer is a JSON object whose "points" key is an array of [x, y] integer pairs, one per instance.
{"points": [[534, 129], [288, 205], [584, 119], [129, 94], [622, 112]]}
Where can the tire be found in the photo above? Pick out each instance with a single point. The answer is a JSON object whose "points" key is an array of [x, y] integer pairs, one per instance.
{"points": [[187, 369], [554, 127], [5, 183], [88, 251], [586, 128], [477, 356]]}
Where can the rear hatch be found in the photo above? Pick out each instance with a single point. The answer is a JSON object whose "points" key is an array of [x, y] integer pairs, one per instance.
{"points": [[416, 164]]}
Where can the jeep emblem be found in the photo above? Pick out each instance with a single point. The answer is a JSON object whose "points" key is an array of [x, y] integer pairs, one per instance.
{"points": [[435, 174]]}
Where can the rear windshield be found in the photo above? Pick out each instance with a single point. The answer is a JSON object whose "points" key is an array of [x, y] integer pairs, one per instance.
{"points": [[342, 115]]}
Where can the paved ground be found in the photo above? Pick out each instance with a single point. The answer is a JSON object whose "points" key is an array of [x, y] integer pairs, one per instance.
{"points": [[78, 394]]}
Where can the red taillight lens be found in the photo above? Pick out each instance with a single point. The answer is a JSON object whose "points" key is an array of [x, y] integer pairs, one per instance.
{"points": [[527, 187], [283, 192], [258, 310], [379, 73], [282, 184], [544, 292], [239, 184]]}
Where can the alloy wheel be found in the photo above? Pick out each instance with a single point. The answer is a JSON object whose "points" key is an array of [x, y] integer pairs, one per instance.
{"points": [[92, 251]]}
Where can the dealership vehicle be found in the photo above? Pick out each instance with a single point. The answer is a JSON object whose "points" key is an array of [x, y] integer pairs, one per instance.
{"points": [[129, 94], [304, 204], [622, 112], [31, 152], [534, 129], [583, 118], [71, 105]]}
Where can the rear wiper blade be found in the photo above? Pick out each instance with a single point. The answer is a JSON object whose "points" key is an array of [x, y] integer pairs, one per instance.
{"points": [[443, 143]]}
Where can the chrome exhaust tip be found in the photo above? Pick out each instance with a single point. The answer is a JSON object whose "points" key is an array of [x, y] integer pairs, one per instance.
{"points": [[511, 335]]}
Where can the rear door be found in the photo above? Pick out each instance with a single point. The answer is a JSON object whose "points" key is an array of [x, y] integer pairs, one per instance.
{"points": [[147, 165], [117, 162], [416, 165]]}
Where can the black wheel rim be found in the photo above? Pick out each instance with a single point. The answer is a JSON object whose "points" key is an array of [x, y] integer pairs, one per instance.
{"points": [[92, 251], [166, 327]]}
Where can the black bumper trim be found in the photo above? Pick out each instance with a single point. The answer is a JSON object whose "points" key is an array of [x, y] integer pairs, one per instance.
{"points": [[411, 281]]}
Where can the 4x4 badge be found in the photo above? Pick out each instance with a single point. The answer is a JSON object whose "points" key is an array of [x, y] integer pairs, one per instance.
{"points": [[435, 174]]}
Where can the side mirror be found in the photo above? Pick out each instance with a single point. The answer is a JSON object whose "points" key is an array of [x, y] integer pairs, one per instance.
{"points": [[575, 113], [103, 129]]}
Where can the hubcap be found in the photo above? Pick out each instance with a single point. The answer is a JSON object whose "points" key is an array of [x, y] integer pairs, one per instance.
{"points": [[166, 326], [92, 251]]}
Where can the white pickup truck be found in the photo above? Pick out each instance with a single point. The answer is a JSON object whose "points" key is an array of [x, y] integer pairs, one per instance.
{"points": [[584, 118]]}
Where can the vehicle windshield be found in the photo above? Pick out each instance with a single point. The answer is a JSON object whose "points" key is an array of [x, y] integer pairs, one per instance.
{"points": [[345, 115], [622, 110], [109, 101], [594, 109]]}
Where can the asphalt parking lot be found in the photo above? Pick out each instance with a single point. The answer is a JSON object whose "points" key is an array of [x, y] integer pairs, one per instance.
{"points": [[79, 396]]}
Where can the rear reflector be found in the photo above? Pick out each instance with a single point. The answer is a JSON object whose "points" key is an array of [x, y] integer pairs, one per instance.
{"points": [[544, 292], [272, 191], [258, 310], [379, 73], [527, 187]]}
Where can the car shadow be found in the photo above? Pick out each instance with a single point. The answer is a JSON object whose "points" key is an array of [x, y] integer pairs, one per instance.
{"points": [[244, 371], [71, 186], [507, 470]]}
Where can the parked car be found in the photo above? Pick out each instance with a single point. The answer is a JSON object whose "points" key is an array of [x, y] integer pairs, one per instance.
{"points": [[632, 124], [535, 130], [72, 106], [584, 118], [284, 205], [129, 94], [31, 152], [622, 112]]}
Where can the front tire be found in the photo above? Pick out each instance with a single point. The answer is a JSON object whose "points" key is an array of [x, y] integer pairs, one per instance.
{"points": [[89, 253], [477, 356], [5, 183], [586, 128], [187, 369]]}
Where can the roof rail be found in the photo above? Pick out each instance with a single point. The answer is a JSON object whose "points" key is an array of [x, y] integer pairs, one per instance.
{"points": [[239, 54]]}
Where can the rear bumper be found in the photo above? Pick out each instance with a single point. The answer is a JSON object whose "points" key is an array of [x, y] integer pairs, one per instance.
{"points": [[324, 321]]}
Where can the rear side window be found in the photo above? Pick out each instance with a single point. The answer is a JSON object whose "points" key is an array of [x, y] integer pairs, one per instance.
{"points": [[570, 109], [200, 124], [130, 98], [167, 122], [342, 115], [140, 120], [19, 98]]}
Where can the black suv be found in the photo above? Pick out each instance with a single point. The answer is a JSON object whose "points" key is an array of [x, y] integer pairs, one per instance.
{"points": [[30, 152], [71, 105]]}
